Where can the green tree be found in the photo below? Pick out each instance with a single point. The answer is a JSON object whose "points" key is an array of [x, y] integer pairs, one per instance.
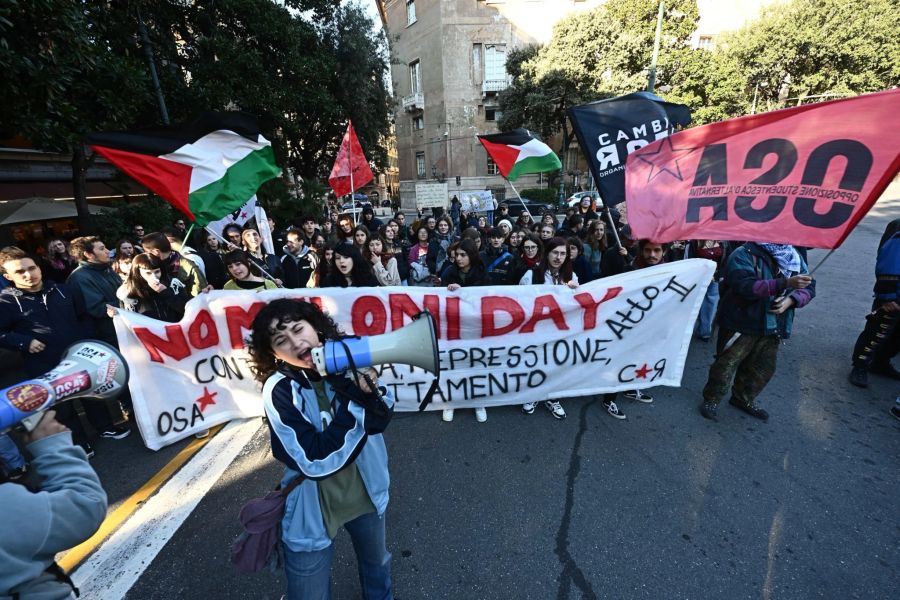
{"points": [[593, 55], [303, 69], [712, 84], [815, 47], [61, 78]]}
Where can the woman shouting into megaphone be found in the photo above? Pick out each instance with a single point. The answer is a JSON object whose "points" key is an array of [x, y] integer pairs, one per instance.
{"points": [[327, 432]]}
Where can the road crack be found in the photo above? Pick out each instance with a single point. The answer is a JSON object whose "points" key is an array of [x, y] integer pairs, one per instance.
{"points": [[571, 572]]}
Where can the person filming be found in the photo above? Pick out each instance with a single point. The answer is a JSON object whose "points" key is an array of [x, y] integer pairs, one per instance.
{"points": [[68, 509]]}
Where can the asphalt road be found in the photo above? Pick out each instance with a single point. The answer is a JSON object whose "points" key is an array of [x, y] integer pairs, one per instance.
{"points": [[661, 505]]}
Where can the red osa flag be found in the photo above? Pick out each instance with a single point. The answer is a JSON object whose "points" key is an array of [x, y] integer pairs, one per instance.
{"points": [[351, 169], [804, 176]]}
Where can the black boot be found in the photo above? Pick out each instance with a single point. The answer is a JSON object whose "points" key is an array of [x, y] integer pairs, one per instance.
{"points": [[710, 411], [859, 377], [750, 409]]}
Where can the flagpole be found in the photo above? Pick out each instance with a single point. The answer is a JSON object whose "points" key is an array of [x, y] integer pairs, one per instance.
{"points": [[227, 243], [525, 208], [612, 224], [187, 234], [824, 258], [350, 166]]}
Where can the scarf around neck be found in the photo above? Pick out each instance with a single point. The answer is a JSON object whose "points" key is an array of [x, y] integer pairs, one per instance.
{"points": [[785, 255]]}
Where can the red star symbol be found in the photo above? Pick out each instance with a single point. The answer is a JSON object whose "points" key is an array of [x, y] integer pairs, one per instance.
{"points": [[642, 372], [243, 215], [665, 160], [206, 399]]}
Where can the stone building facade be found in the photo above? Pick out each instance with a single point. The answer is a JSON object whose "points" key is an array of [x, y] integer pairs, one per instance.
{"points": [[448, 67]]}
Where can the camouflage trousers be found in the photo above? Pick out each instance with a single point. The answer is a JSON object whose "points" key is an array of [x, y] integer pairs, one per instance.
{"points": [[749, 362]]}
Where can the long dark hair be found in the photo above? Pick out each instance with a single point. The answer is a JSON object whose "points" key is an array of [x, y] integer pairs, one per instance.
{"points": [[467, 246], [326, 266], [565, 271], [136, 285], [275, 316], [361, 275], [365, 230]]}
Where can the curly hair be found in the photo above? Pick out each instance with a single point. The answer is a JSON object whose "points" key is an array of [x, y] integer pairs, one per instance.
{"points": [[275, 316]]}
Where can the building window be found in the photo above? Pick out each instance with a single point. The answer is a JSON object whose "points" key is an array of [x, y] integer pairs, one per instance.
{"points": [[420, 165], [418, 123], [476, 63], [492, 166], [495, 63], [705, 42], [492, 114], [410, 12], [415, 77]]}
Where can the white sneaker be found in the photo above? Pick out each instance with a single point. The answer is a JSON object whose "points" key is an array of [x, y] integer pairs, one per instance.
{"points": [[528, 407], [639, 396], [480, 415], [613, 410], [555, 409], [448, 415]]}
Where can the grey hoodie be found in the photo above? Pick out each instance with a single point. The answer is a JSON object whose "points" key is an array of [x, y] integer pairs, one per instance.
{"points": [[35, 526]]}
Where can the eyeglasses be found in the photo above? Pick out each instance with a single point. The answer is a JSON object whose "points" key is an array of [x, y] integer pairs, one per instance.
{"points": [[529, 246]]}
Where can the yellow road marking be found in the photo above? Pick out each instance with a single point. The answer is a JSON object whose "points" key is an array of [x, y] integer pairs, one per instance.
{"points": [[76, 555]]}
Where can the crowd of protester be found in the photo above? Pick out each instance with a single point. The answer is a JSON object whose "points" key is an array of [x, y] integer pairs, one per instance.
{"points": [[74, 290]]}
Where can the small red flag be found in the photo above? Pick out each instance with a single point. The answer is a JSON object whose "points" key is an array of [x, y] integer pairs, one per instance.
{"points": [[350, 158], [804, 176]]}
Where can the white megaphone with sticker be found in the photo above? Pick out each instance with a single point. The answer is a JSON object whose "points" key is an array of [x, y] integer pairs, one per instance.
{"points": [[88, 369], [416, 345]]}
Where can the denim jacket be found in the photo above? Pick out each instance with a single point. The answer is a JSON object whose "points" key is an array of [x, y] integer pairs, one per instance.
{"points": [[305, 445], [752, 283]]}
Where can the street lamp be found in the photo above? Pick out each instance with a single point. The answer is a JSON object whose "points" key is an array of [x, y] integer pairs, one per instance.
{"points": [[651, 84]]}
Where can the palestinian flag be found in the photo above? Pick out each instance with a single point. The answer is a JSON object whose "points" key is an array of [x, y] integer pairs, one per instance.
{"points": [[206, 169], [517, 152]]}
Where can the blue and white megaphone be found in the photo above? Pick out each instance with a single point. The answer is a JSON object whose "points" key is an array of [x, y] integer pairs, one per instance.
{"points": [[416, 345], [89, 368]]}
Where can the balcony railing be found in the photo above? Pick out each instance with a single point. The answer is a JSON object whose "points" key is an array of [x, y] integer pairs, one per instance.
{"points": [[414, 102], [492, 86]]}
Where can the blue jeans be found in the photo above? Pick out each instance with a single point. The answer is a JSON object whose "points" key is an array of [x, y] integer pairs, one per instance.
{"points": [[10, 457], [309, 573], [708, 310]]}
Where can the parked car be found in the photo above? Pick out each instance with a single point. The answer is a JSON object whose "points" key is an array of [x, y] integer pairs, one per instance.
{"points": [[575, 199], [534, 207], [355, 204]]}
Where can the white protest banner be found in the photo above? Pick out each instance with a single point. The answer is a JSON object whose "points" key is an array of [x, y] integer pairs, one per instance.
{"points": [[478, 201], [498, 345], [431, 195]]}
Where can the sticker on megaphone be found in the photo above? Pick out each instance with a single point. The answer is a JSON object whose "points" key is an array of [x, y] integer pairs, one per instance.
{"points": [[88, 368], [415, 345]]}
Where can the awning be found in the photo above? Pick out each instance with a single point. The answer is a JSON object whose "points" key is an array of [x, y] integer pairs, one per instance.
{"points": [[39, 209]]}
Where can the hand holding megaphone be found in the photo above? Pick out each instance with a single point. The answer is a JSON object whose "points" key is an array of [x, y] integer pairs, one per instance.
{"points": [[89, 368]]}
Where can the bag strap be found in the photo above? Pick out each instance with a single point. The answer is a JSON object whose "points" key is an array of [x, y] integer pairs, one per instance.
{"points": [[290, 487], [497, 261]]}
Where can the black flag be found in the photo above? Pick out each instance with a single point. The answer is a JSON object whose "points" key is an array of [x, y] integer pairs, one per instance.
{"points": [[610, 130]]}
